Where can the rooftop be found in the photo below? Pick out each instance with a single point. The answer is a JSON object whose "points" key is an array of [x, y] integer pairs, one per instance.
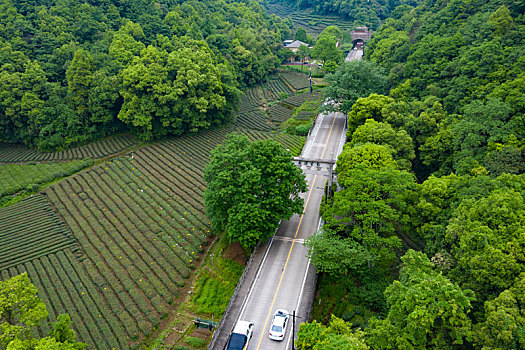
{"points": [[295, 43]]}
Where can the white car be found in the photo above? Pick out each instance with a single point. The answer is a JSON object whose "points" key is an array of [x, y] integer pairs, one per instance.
{"points": [[279, 322], [241, 335]]}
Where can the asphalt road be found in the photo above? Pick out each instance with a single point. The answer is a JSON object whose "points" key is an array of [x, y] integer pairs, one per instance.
{"points": [[284, 280], [354, 55]]}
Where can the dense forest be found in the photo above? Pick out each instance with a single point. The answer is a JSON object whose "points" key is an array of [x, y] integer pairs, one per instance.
{"points": [[424, 246], [73, 71]]}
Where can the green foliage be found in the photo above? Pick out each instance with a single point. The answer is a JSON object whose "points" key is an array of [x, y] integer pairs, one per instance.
{"points": [[370, 155], [20, 309], [370, 208], [352, 80], [303, 51], [370, 107], [337, 335], [333, 254], [62, 331], [504, 321], [426, 310], [72, 72], [455, 106], [300, 34], [383, 134], [325, 49], [251, 187], [169, 93], [485, 237], [195, 342], [441, 51], [334, 31]]}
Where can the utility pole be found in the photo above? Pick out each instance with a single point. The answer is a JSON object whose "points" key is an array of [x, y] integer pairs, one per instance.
{"points": [[311, 80], [293, 329], [293, 317]]}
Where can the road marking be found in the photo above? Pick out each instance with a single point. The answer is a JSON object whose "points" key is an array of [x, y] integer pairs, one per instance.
{"points": [[288, 239], [286, 264], [330, 133], [293, 242]]}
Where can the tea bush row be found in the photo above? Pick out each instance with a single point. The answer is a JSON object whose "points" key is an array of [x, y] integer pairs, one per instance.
{"points": [[98, 149]]}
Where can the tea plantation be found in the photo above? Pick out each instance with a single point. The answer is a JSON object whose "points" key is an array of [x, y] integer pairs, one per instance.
{"points": [[114, 244], [96, 150]]}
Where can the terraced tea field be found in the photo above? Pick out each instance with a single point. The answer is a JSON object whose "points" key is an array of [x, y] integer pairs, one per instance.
{"points": [[253, 111], [297, 100], [279, 113], [96, 150], [307, 19], [297, 81], [113, 245], [17, 177]]}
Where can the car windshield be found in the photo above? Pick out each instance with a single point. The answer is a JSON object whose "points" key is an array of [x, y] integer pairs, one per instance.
{"points": [[237, 341], [277, 329]]}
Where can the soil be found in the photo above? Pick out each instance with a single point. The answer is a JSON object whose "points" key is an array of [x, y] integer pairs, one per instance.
{"points": [[236, 253], [201, 333]]}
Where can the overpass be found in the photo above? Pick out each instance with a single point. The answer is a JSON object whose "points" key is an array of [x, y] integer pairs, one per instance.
{"points": [[360, 35]]}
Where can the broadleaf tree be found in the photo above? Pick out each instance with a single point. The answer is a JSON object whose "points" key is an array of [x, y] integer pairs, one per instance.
{"points": [[352, 80], [426, 310], [21, 310], [250, 188]]}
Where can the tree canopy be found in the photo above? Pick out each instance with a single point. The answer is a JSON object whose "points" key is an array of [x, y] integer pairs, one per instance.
{"points": [[338, 334], [21, 310], [352, 80], [250, 188], [426, 310], [452, 102], [74, 71]]}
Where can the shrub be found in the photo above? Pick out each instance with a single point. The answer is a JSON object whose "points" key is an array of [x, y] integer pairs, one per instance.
{"points": [[303, 129], [32, 187], [195, 342]]}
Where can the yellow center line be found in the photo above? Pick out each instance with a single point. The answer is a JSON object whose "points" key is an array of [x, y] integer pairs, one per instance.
{"points": [[293, 242], [328, 139]]}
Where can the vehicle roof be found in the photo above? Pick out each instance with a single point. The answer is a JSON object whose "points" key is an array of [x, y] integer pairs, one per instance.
{"points": [[278, 320], [279, 317], [242, 327]]}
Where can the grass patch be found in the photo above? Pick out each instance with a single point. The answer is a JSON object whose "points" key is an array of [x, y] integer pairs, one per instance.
{"points": [[216, 284], [195, 342], [18, 181], [212, 295]]}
